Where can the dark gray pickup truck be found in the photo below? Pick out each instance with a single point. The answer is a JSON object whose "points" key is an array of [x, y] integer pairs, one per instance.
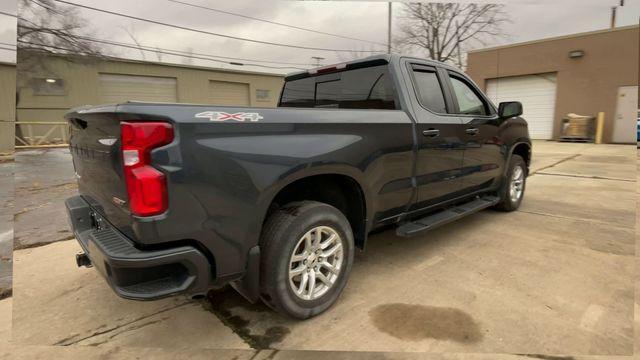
{"points": [[177, 198]]}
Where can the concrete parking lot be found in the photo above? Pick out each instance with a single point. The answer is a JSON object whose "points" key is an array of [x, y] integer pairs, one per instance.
{"points": [[554, 278]]}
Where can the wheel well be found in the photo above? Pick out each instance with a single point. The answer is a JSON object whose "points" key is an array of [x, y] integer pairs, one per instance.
{"points": [[524, 151], [339, 191]]}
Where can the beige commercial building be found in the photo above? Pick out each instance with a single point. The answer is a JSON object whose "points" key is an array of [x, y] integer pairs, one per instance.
{"points": [[583, 73], [7, 106], [72, 82]]}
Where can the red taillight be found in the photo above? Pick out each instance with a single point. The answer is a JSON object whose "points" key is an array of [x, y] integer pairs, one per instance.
{"points": [[146, 185]]}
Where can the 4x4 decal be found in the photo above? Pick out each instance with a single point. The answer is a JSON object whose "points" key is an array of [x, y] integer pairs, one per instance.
{"points": [[223, 116]]}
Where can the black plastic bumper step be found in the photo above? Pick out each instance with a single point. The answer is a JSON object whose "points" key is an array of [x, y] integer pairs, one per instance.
{"points": [[446, 216], [133, 273]]}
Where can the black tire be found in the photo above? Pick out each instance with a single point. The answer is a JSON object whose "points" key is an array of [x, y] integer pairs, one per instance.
{"points": [[281, 233], [506, 202]]}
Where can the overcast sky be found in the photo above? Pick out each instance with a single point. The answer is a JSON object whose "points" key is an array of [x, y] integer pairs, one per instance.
{"points": [[531, 19], [7, 30]]}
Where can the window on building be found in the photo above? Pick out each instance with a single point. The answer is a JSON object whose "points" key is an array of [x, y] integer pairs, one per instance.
{"points": [[48, 86], [263, 94]]}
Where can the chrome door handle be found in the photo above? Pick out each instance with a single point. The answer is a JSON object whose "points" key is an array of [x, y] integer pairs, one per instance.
{"points": [[431, 132], [472, 131]]}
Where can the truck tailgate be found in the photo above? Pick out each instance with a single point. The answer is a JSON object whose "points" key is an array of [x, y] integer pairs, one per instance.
{"points": [[97, 160]]}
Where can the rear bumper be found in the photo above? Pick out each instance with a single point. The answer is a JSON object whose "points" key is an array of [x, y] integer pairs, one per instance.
{"points": [[133, 273]]}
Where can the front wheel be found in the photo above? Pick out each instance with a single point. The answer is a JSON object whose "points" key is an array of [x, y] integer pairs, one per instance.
{"points": [[307, 252], [512, 190]]}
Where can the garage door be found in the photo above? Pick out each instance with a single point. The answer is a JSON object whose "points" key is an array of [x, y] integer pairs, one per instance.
{"points": [[118, 88], [537, 93], [229, 93]]}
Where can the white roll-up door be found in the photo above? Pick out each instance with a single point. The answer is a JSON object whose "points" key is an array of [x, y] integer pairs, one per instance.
{"points": [[118, 88], [229, 93], [537, 93]]}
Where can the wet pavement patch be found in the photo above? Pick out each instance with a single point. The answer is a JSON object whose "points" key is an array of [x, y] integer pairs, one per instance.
{"points": [[620, 246], [418, 322], [221, 302]]}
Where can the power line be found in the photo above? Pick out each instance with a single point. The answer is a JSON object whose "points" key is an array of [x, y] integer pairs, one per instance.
{"points": [[210, 33], [153, 48], [166, 53], [8, 44], [8, 14], [47, 7], [176, 52], [162, 52], [54, 47], [274, 22], [8, 49], [192, 56]]}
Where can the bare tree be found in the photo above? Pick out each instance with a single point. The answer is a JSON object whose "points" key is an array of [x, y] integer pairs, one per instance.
{"points": [[358, 53], [445, 31], [45, 28]]}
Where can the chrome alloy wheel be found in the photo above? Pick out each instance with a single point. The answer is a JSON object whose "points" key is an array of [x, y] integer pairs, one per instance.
{"points": [[516, 187], [315, 263]]}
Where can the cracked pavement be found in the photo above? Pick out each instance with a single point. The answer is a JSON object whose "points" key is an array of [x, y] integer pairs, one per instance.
{"points": [[556, 277]]}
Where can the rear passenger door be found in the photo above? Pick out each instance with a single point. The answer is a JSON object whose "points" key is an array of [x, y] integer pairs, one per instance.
{"points": [[484, 153], [440, 150]]}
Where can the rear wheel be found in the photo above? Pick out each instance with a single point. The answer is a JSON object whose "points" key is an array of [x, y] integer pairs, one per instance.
{"points": [[307, 252], [512, 190]]}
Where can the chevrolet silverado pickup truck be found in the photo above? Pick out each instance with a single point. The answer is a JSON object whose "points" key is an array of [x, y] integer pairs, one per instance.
{"points": [[181, 199]]}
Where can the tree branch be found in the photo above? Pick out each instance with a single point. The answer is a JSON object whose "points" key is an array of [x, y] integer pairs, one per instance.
{"points": [[444, 29]]}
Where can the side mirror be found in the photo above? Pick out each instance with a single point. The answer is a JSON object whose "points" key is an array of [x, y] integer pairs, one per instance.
{"points": [[509, 109]]}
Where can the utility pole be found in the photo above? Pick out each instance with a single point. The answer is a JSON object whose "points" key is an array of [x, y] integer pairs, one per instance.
{"points": [[317, 59], [613, 14], [389, 30]]}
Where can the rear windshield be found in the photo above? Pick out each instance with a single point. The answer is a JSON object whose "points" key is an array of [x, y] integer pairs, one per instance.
{"points": [[365, 88]]}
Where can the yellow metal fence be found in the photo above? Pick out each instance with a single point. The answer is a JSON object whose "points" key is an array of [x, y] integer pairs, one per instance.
{"points": [[33, 134]]}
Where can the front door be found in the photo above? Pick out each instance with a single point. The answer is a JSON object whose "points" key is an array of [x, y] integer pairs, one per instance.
{"points": [[439, 138], [484, 153]]}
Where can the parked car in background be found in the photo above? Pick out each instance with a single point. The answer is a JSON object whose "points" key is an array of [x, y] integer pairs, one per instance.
{"points": [[182, 198]]}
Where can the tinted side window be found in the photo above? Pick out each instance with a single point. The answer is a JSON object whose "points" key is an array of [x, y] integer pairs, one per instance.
{"points": [[366, 88], [429, 90], [469, 103]]}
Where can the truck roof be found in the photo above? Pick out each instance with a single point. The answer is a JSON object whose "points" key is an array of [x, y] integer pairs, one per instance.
{"points": [[362, 62]]}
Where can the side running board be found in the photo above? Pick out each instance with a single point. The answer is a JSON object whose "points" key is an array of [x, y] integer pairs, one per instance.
{"points": [[446, 216]]}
